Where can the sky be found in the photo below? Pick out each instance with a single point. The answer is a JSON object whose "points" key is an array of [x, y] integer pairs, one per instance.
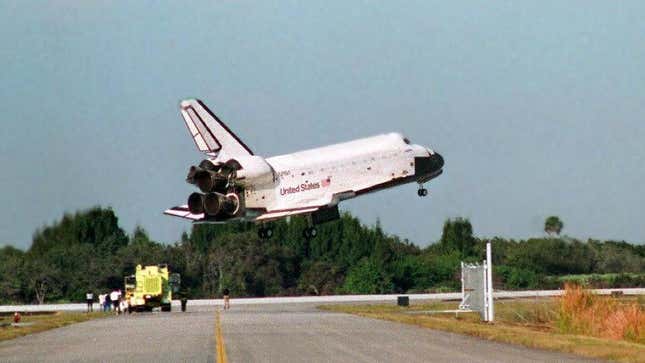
{"points": [[538, 107]]}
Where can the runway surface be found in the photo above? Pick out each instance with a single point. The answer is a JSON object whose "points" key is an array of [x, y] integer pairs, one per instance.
{"points": [[259, 333]]}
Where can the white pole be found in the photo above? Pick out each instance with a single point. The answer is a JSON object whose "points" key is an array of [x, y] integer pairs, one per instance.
{"points": [[462, 282], [489, 284]]}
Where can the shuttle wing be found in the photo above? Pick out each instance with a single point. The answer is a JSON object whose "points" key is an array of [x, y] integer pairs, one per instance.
{"points": [[183, 212], [270, 216], [210, 134]]}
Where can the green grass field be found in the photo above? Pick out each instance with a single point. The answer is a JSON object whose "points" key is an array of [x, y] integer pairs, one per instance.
{"points": [[608, 280]]}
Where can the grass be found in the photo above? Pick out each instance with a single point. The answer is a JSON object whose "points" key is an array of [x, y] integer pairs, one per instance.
{"points": [[529, 322], [608, 280], [580, 311], [585, 278], [43, 322]]}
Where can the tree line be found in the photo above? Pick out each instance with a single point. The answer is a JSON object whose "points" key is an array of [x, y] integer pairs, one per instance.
{"points": [[89, 251]]}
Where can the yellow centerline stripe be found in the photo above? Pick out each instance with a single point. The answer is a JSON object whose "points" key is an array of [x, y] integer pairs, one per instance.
{"points": [[221, 352]]}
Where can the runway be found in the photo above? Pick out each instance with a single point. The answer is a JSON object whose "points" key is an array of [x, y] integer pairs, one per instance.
{"points": [[259, 333]]}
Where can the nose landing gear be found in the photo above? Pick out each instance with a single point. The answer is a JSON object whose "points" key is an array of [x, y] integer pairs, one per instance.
{"points": [[422, 192]]}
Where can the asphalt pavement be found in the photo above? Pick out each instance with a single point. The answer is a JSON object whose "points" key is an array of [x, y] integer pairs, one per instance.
{"points": [[259, 333], [145, 337]]}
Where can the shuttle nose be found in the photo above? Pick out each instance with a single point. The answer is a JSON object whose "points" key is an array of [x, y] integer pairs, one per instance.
{"points": [[428, 166], [436, 160]]}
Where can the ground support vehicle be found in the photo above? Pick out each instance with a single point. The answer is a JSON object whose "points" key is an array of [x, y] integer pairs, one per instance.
{"points": [[150, 287]]}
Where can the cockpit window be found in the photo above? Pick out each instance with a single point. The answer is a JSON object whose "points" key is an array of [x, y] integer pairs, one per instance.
{"points": [[406, 140]]}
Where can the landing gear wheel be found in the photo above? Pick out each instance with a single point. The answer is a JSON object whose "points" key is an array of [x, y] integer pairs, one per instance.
{"points": [[265, 233], [310, 232], [422, 192]]}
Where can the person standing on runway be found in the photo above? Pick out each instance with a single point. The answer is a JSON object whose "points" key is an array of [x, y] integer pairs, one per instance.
{"points": [[108, 303], [102, 302], [227, 302], [114, 297], [89, 299]]}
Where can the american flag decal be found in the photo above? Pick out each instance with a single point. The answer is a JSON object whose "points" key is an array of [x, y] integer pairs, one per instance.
{"points": [[325, 182]]}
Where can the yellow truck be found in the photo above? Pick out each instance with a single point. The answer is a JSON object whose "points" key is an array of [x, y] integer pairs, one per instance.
{"points": [[150, 287]]}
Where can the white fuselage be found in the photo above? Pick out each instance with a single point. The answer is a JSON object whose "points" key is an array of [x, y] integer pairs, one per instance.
{"points": [[315, 177]]}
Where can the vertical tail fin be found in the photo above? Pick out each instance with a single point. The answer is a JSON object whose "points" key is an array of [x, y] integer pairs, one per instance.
{"points": [[210, 134]]}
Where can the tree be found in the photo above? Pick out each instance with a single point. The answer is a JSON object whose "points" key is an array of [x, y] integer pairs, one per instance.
{"points": [[42, 279], [516, 278], [11, 279], [553, 226], [411, 273], [366, 278], [458, 236], [88, 251], [319, 278]]}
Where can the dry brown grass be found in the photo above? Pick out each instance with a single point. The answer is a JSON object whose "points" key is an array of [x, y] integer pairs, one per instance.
{"points": [[528, 322], [43, 322], [581, 312]]}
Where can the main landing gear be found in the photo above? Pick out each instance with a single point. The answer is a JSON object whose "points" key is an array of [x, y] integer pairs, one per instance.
{"points": [[265, 232], [309, 232], [422, 192]]}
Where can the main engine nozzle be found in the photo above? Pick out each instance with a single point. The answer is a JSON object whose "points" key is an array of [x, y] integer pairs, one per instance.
{"points": [[214, 204], [196, 203], [206, 180]]}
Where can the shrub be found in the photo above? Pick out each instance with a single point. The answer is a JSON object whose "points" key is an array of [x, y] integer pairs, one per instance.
{"points": [[517, 278], [366, 278]]}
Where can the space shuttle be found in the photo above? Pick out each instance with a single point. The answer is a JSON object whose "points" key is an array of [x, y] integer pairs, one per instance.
{"points": [[235, 185]]}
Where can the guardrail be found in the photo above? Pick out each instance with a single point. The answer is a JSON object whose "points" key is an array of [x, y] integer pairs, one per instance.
{"points": [[323, 299]]}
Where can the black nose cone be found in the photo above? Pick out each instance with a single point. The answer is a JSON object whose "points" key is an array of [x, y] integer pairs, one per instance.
{"points": [[428, 165], [436, 161]]}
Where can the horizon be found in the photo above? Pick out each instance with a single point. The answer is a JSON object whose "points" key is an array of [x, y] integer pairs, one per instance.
{"points": [[563, 235]]}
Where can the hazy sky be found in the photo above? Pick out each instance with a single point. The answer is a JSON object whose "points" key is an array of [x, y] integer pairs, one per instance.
{"points": [[538, 107]]}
